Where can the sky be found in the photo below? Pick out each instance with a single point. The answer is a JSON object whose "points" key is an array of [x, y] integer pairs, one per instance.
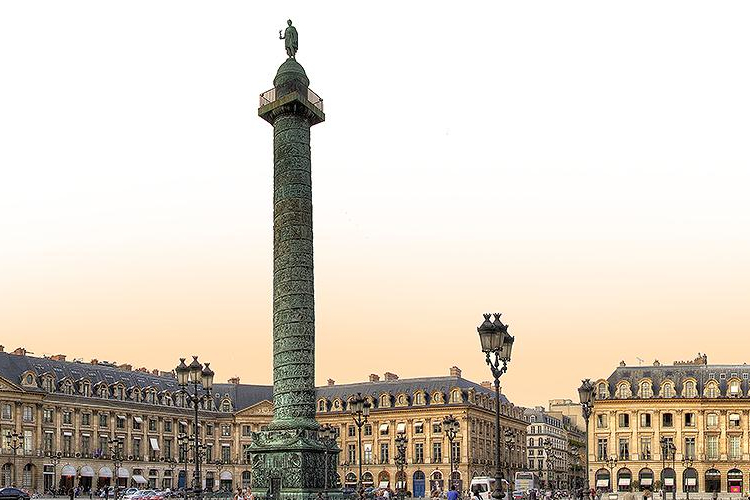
{"points": [[581, 167]]}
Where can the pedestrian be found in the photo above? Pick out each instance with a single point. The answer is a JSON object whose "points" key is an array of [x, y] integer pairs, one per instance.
{"points": [[452, 493], [475, 493]]}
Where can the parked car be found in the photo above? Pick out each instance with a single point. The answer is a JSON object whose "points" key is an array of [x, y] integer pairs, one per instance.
{"points": [[519, 495], [131, 495], [13, 494]]}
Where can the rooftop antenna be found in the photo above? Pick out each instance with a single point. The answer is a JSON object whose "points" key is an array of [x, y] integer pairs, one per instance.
{"points": [[640, 361]]}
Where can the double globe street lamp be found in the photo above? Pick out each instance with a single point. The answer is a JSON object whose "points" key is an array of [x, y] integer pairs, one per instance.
{"points": [[495, 340], [360, 408], [200, 378], [116, 446], [401, 463], [586, 397], [451, 427], [15, 441]]}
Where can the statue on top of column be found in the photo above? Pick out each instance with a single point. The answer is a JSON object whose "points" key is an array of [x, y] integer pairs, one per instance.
{"points": [[291, 40]]}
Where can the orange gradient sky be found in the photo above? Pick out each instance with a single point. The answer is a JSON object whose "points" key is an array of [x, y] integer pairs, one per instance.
{"points": [[581, 167]]}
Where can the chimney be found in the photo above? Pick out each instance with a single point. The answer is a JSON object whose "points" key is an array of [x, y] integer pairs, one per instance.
{"points": [[455, 371], [126, 367], [486, 384], [155, 371], [94, 361], [142, 369], [234, 380], [331, 382], [390, 376], [58, 357], [21, 351], [2, 348], [374, 378]]}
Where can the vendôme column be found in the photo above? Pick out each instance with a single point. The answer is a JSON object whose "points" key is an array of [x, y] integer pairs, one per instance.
{"points": [[289, 459]]}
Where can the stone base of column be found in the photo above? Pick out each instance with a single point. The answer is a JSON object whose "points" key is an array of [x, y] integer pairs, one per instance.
{"points": [[290, 465]]}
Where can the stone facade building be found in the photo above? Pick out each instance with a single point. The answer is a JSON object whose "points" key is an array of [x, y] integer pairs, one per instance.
{"points": [[699, 411], [74, 408]]}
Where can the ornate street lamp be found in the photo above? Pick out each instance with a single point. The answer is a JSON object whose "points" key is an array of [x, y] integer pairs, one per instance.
{"points": [[611, 464], [182, 442], [200, 378], [400, 461], [510, 445], [549, 455], [15, 441], [451, 427], [586, 396], [327, 435], [687, 463], [496, 341], [360, 412], [115, 453], [54, 458]]}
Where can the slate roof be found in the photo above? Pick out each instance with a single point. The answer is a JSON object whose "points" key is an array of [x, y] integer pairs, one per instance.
{"points": [[678, 374], [408, 386], [12, 367]]}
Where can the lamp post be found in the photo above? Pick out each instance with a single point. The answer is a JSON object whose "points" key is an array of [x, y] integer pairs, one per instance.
{"points": [[15, 441], [200, 378], [687, 463], [548, 456], [182, 443], [327, 434], [55, 459], [360, 412], [575, 459], [401, 463], [496, 341], [115, 453], [611, 464], [586, 397], [667, 449], [510, 444], [451, 427]]}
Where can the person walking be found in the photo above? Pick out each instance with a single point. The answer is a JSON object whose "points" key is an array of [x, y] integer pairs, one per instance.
{"points": [[452, 493]]}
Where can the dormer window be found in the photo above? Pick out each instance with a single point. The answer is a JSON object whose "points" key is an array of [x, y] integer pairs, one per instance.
{"points": [[48, 384], [667, 390], [418, 398], [402, 399], [601, 391], [690, 390], [712, 390], [645, 389], [456, 396], [385, 401], [103, 391], [623, 390], [734, 388], [226, 406], [322, 405]]}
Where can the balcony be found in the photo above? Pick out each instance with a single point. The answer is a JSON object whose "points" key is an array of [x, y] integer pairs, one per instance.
{"points": [[269, 96]]}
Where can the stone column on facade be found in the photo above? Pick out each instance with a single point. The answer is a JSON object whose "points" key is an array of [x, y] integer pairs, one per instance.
{"points": [[723, 435], [288, 458]]}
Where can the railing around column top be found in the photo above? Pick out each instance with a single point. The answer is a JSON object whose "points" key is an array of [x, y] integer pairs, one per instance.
{"points": [[269, 96]]}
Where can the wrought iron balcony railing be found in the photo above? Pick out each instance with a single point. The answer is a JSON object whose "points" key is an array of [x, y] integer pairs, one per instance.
{"points": [[269, 96]]}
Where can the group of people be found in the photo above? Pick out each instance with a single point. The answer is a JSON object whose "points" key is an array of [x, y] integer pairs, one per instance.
{"points": [[244, 494]]}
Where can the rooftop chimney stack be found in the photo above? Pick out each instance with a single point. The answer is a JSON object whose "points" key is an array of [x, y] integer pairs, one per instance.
{"points": [[234, 380], [455, 371], [331, 382], [486, 384], [21, 351], [390, 376], [57, 357], [374, 378]]}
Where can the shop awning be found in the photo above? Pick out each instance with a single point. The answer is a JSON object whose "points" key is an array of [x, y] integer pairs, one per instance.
{"points": [[225, 475], [67, 433], [623, 481], [602, 483], [384, 484], [418, 425], [49, 432], [105, 472], [68, 471], [139, 479], [123, 472], [121, 417], [646, 481], [183, 422], [400, 427], [668, 481], [87, 471], [138, 420], [85, 434], [400, 485], [383, 427], [690, 481], [154, 444]]}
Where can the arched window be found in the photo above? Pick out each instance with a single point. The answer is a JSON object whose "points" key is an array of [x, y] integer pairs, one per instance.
{"points": [[226, 406], [103, 391], [623, 390], [601, 391], [645, 389], [734, 390], [385, 401], [418, 398], [402, 399], [690, 390], [667, 390], [456, 396], [322, 405], [711, 390]]}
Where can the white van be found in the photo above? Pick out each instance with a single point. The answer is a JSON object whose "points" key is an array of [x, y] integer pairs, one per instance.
{"points": [[485, 486]]}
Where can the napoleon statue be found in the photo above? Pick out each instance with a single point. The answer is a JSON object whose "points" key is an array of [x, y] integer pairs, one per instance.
{"points": [[290, 39]]}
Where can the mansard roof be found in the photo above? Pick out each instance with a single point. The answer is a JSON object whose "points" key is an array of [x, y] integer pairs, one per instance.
{"points": [[678, 374]]}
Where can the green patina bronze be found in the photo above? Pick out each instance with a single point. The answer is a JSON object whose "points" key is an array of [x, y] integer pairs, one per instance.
{"points": [[289, 458]]}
